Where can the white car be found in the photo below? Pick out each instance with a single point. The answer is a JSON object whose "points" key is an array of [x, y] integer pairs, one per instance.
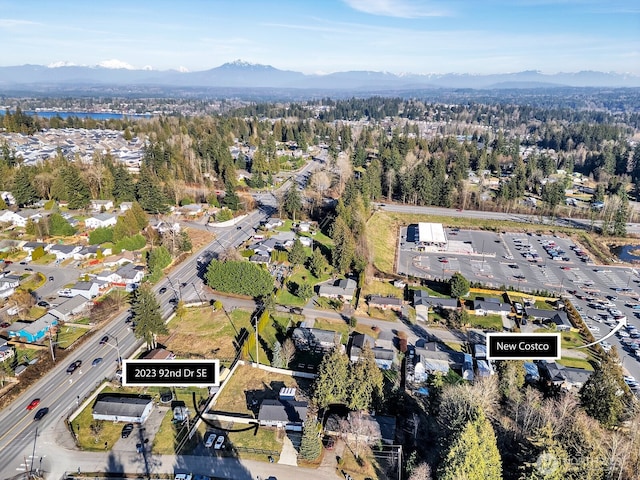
{"points": [[210, 440], [623, 334], [219, 442]]}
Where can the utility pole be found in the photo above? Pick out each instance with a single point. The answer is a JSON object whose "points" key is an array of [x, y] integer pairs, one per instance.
{"points": [[53, 355]]}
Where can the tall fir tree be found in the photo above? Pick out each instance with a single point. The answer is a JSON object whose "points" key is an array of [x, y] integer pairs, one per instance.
{"points": [[147, 316], [23, 190]]}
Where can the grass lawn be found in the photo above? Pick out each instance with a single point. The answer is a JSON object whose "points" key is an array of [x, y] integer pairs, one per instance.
{"points": [[67, 335], [203, 333], [386, 289], [382, 231], [25, 355], [543, 305], [432, 292], [36, 312], [82, 321], [492, 322], [575, 362], [35, 280], [94, 439], [299, 276], [386, 315], [357, 471], [45, 260], [249, 383]]}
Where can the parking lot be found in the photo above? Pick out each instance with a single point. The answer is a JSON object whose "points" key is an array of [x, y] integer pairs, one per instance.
{"points": [[603, 295]]}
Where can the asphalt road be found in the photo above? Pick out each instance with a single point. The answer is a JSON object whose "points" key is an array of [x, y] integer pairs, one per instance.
{"points": [[23, 439]]}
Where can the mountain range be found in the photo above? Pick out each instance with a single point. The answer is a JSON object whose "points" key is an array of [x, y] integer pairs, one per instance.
{"points": [[240, 74]]}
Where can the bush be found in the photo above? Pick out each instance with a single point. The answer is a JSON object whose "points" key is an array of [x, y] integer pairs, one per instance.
{"points": [[224, 215], [131, 243], [101, 235]]}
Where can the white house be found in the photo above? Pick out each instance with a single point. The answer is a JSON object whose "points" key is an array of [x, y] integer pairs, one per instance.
{"points": [[101, 205], [71, 307], [101, 220], [88, 290], [124, 206], [8, 284], [306, 241], [62, 252]]}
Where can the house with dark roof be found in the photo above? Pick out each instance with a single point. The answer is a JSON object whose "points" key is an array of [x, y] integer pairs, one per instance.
{"points": [[385, 303], [487, 307], [343, 289], [558, 317], [567, 378], [122, 408], [287, 414], [314, 339], [260, 259], [34, 331], [62, 252], [159, 354], [382, 355], [430, 357]]}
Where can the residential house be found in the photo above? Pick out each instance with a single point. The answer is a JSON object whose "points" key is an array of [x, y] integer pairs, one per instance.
{"points": [[567, 378], [32, 331], [100, 220], [192, 210], [124, 206], [260, 259], [304, 226], [433, 357], [23, 216], [374, 428], [159, 354], [343, 289], [87, 252], [306, 241], [284, 239], [88, 289], [490, 307], [289, 414], [421, 304], [63, 252], [8, 284], [6, 350], [101, 205], [383, 356], [120, 259], [115, 407], [70, 308], [314, 339], [29, 247], [164, 227], [12, 218], [542, 315], [385, 303], [130, 273], [265, 247], [272, 223]]}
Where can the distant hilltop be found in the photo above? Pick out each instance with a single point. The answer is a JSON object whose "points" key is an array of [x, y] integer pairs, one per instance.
{"points": [[241, 74]]}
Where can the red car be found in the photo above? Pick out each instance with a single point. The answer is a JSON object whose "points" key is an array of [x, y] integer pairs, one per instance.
{"points": [[34, 403]]}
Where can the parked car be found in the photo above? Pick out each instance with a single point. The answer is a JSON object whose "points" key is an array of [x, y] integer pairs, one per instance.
{"points": [[41, 413], [219, 443], [210, 440], [126, 430]]}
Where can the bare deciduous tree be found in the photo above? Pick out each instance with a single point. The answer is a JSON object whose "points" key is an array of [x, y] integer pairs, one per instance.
{"points": [[421, 472], [288, 351]]}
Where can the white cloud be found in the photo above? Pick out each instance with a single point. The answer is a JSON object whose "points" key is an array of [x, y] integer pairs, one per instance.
{"points": [[116, 64], [397, 8], [183, 69], [13, 23]]}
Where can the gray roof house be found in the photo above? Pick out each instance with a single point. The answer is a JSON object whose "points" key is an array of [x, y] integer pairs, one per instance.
{"points": [[383, 356], [314, 339], [88, 290], [287, 414], [71, 307], [33, 331], [385, 303], [122, 408], [62, 252], [343, 289], [486, 307], [558, 317]]}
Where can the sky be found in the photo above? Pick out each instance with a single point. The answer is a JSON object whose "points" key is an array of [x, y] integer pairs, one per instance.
{"points": [[325, 36]]}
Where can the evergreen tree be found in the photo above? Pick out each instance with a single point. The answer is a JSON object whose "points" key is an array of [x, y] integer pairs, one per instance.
{"points": [[365, 381], [297, 255], [23, 190], [149, 195], [292, 202], [459, 285], [141, 218], [332, 383], [58, 225], [124, 190], [317, 263], [77, 190], [147, 316], [600, 395], [231, 199], [343, 252], [473, 453], [185, 242], [310, 444], [304, 291], [277, 361], [621, 215]]}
